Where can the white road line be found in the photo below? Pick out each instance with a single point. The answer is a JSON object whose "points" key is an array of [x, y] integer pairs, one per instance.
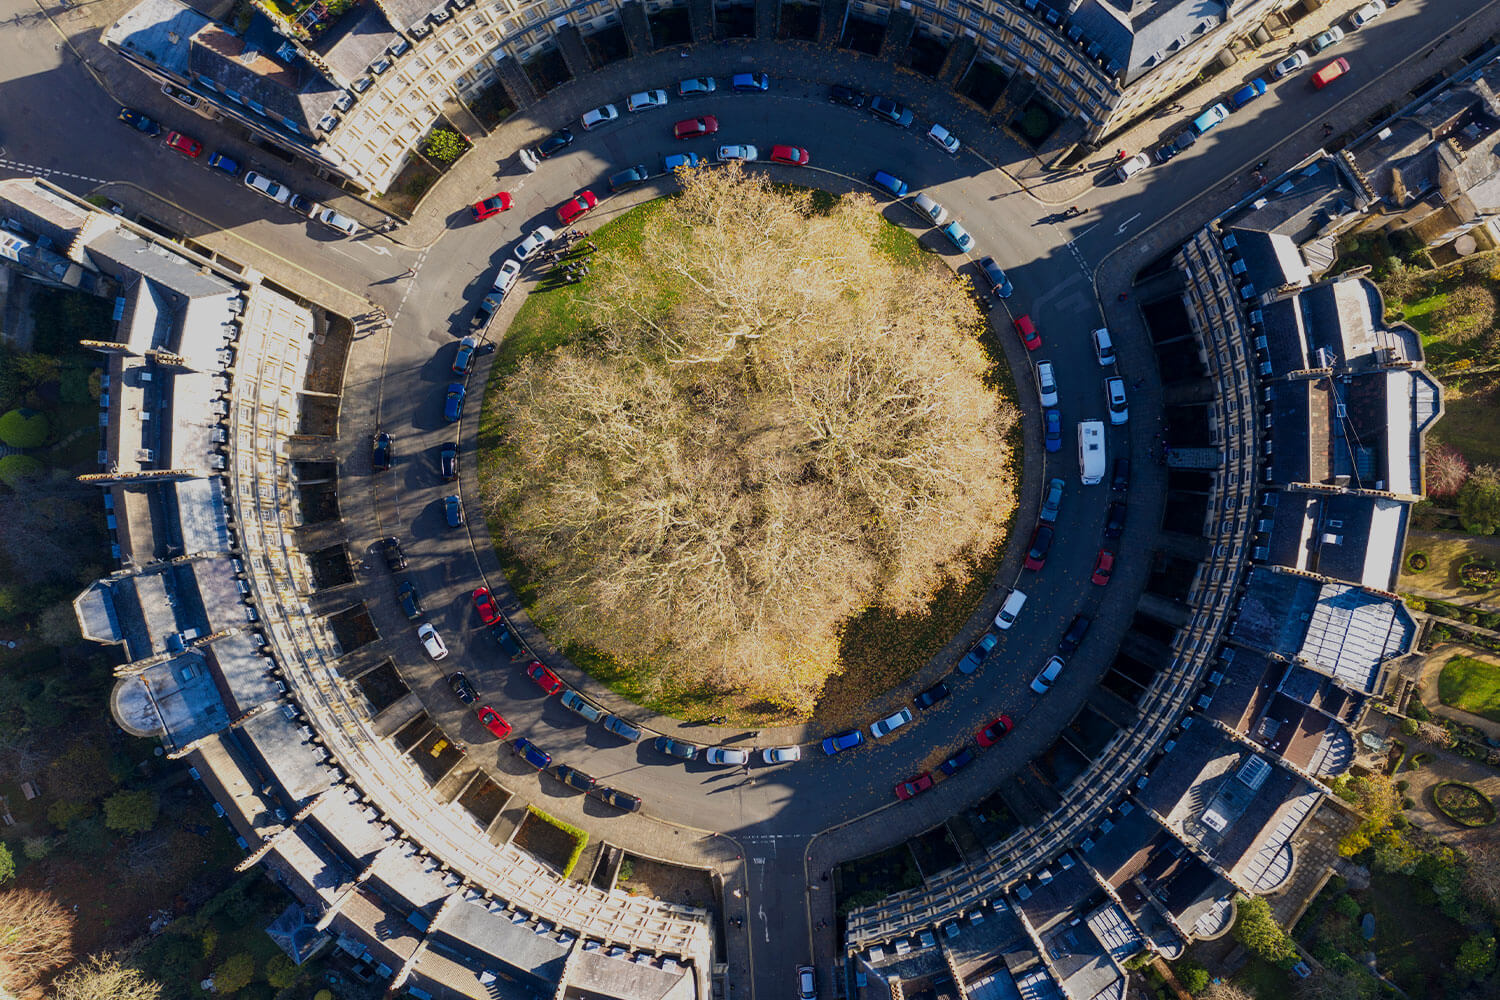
{"points": [[33, 168], [1127, 222]]}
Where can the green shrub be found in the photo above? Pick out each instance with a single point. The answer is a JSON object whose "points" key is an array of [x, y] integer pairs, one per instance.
{"points": [[282, 972], [7, 864], [580, 837], [445, 145], [17, 470], [1192, 976], [627, 871], [1418, 711], [23, 428], [1409, 727], [1347, 906], [1479, 501], [36, 848], [1476, 957], [1257, 930], [236, 972], [1402, 785], [1034, 123], [131, 812]]}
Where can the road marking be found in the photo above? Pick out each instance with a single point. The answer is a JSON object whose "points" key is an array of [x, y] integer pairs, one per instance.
{"points": [[20, 167], [1126, 223], [758, 861], [761, 912], [374, 249]]}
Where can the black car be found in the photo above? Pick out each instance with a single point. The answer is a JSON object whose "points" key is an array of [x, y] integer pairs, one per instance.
{"points": [[509, 643], [1077, 629], [139, 122], [1114, 521], [676, 748], [380, 457], [617, 798], [628, 178], [448, 461], [1122, 474], [394, 557], [574, 778], [999, 283], [847, 96], [411, 602], [461, 687], [932, 695], [957, 762], [554, 143], [1175, 145]]}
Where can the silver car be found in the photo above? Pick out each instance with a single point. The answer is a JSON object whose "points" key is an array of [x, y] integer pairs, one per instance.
{"points": [[527, 248], [890, 723], [727, 756], [780, 755]]}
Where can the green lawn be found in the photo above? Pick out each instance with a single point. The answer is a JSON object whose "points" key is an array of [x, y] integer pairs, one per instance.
{"points": [[1419, 314], [1472, 685], [1469, 419]]}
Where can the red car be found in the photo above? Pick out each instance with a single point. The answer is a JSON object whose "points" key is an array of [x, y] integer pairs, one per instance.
{"points": [[994, 731], [795, 155], [576, 209], [485, 605], [184, 144], [1041, 542], [1026, 330], [692, 128], [493, 205], [1103, 567], [493, 721], [914, 786], [545, 679]]}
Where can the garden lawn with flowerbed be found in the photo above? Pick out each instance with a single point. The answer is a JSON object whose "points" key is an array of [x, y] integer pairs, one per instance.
{"points": [[1472, 685]]}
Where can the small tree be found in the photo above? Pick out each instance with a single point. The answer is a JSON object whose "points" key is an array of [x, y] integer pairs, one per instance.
{"points": [[282, 972], [131, 812], [1192, 976], [445, 145], [103, 977], [1469, 312], [7, 864], [1476, 958], [1258, 931], [237, 972], [1227, 991], [1446, 471], [23, 429], [1479, 501]]}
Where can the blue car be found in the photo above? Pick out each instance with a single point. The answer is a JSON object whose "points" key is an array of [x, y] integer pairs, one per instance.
{"points": [[1052, 420], [843, 741], [531, 753], [627, 178], [959, 236], [1247, 93], [219, 161], [453, 510], [999, 283], [453, 407], [975, 656], [1210, 118], [891, 183], [671, 163], [750, 81], [957, 762]]}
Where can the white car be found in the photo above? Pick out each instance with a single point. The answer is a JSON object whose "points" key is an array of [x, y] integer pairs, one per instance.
{"points": [[727, 756], [937, 213], [1132, 166], [432, 641], [945, 140], [1104, 348], [1044, 680], [1366, 14], [261, 184], [1046, 381], [1114, 391], [1291, 64], [599, 116], [890, 723], [646, 100], [333, 220], [738, 152], [540, 237], [780, 755], [506, 276], [1327, 39]]}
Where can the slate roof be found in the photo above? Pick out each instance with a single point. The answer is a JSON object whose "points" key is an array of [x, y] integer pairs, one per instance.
{"points": [[287, 753], [1352, 633], [485, 938], [158, 31], [353, 41], [1140, 35], [292, 95]]}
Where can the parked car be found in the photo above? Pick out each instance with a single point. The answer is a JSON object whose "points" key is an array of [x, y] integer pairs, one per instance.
{"points": [[795, 156], [554, 143], [1051, 501], [380, 452], [485, 606], [957, 762], [578, 704], [750, 82], [994, 731], [574, 778], [488, 306], [884, 727], [1121, 479], [1127, 169], [453, 511], [1330, 73], [1010, 610], [1052, 430], [694, 128], [807, 987], [943, 139], [448, 461], [184, 144], [139, 122], [932, 695], [263, 185], [453, 402], [538, 238], [1072, 638], [183, 97], [620, 800], [622, 729], [925, 204], [1114, 520], [1114, 393], [1249, 92], [1044, 680], [432, 642], [1209, 118], [727, 756], [496, 203], [847, 96], [493, 721], [577, 207], [693, 86], [914, 786], [780, 755], [1291, 64], [1104, 567], [646, 100], [1327, 39], [394, 558], [740, 151], [505, 277], [1104, 347], [602, 115], [337, 220], [999, 284], [839, 742], [543, 677], [1041, 541], [1026, 330], [411, 603], [884, 107], [463, 359], [1046, 383], [218, 161], [959, 236], [459, 684], [676, 748], [890, 183], [629, 177], [1366, 14], [976, 654], [531, 753]]}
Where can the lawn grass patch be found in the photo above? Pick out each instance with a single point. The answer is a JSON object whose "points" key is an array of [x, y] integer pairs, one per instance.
{"points": [[903, 247], [1471, 685], [1468, 422], [1415, 943], [1463, 804]]}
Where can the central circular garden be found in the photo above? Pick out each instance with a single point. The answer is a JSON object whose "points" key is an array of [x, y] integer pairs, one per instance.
{"points": [[759, 462]]}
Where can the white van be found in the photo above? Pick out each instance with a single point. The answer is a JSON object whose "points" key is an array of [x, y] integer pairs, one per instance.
{"points": [[1091, 452], [1008, 611]]}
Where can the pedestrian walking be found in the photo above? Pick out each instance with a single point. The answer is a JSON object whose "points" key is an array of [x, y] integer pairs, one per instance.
{"points": [[410, 272], [1327, 129]]}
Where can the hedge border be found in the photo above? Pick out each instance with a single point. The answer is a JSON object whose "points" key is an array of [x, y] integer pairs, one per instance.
{"points": [[1438, 805], [580, 837]]}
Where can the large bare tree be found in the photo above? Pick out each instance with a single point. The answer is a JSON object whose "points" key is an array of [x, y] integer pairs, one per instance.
{"points": [[771, 427], [36, 936], [104, 977]]}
